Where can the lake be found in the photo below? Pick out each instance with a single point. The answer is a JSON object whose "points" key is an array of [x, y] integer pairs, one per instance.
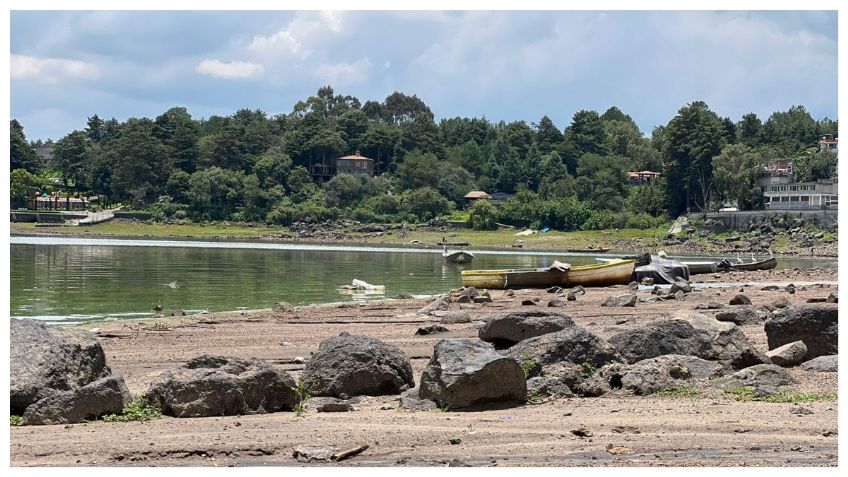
{"points": [[77, 279]]}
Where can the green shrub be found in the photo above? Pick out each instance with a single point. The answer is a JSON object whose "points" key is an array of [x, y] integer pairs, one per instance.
{"points": [[682, 391], [15, 420], [302, 397], [137, 410], [483, 215]]}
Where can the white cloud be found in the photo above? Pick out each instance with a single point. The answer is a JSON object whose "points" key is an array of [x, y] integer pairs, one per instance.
{"points": [[50, 70], [229, 70], [299, 36], [345, 73]]}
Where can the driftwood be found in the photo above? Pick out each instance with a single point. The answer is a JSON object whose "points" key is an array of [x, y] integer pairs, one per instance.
{"points": [[346, 454]]}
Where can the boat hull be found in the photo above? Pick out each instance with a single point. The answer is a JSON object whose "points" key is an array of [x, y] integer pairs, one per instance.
{"points": [[766, 264], [613, 273], [458, 257]]}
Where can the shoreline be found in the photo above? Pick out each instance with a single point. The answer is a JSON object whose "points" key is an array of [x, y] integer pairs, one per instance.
{"points": [[709, 429]]}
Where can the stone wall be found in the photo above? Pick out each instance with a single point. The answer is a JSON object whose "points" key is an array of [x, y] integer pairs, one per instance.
{"points": [[826, 219]]}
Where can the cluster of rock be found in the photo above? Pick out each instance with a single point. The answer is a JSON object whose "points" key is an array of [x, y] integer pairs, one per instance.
{"points": [[60, 376]]}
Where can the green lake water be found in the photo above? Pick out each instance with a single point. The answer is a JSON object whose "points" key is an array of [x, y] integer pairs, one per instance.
{"points": [[76, 279]]}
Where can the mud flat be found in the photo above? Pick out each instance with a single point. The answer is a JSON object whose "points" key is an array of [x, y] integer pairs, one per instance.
{"points": [[704, 427]]}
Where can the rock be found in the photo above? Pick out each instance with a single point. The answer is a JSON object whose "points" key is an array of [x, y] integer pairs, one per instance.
{"points": [[543, 386], [625, 300], [47, 361], [556, 303], [788, 354], [740, 299], [633, 286], [222, 386], [740, 315], [314, 453], [107, 395], [770, 288], [329, 404], [790, 288], [679, 295], [781, 303], [453, 317], [582, 431], [573, 345], [429, 330], [709, 306], [646, 376], [356, 365], [689, 333], [800, 410], [463, 299], [283, 307], [528, 302], [833, 298], [509, 292], [178, 313], [572, 294], [510, 328], [816, 300], [404, 296], [680, 285], [761, 375], [593, 386], [464, 373], [439, 304], [455, 441], [647, 281], [410, 399], [555, 290], [469, 292], [822, 364], [816, 325], [484, 298]]}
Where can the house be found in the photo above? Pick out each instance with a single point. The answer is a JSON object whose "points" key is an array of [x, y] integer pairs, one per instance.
{"points": [[355, 164], [828, 143], [54, 202], [822, 194], [474, 196], [642, 177]]}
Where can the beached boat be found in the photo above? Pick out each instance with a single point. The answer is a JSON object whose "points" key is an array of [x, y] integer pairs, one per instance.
{"points": [[766, 264], [458, 257], [559, 274], [588, 250]]}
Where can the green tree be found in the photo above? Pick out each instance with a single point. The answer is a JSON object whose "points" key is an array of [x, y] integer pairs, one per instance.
{"points": [[811, 167], [425, 203], [21, 154], [601, 181], [141, 166], [69, 157], [483, 215], [22, 186], [691, 140], [587, 133], [180, 134], [791, 130], [95, 129], [214, 193], [737, 170], [750, 130]]}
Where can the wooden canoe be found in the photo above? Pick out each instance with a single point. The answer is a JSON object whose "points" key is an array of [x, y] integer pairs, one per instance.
{"points": [[605, 274], [766, 264], [458, 257]]}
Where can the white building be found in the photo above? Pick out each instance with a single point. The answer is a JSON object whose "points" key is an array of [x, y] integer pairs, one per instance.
{"points": [[822, 194]]}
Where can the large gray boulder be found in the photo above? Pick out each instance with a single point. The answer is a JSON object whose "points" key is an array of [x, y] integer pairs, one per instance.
{"points": [[46, 361], [759, 376], [822, 364], [647, 376], [464, 373], [573, 345], [625, 300], [107, 395], [222, 386], [739, 315], [357, 365], [788, 354], [689, 333], [510, 328], [816, 325]]}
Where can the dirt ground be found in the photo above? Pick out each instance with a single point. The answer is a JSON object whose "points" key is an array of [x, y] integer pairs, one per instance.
{"points": [[712, 429]]}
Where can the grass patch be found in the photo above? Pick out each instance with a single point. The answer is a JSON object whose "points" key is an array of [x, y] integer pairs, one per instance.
{"points": [[679, 392], [534, 396], [587, 370], [745, 393], [302, 397], [527, 364], [15, 420], [137, 410]]}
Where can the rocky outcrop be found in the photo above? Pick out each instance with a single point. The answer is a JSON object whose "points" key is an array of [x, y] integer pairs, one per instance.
{"points": [[464, 373], [740, 299], [48, 361], [816, 325], [222, 386], [430, 330], [510, 328], [739, 315], [357, 365], [107, 395], [689, 333], [759, 376], [625, 300], [822, 364], [573, 345], [788, 354]]}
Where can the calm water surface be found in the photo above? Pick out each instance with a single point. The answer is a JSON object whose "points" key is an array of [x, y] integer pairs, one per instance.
{"points": [[72, 279]]}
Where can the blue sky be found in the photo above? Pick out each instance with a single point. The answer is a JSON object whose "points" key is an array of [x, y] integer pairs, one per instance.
{"points": [[66, 66]]}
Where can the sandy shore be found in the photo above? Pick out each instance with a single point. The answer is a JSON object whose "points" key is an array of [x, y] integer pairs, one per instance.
{"points": [[712, 429]]}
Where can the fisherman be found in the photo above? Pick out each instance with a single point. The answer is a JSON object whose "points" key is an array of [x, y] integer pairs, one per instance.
{"points": [[403, 230]]}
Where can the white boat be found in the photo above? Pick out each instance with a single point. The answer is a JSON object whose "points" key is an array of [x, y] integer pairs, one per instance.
{"points": [[460, 256]]}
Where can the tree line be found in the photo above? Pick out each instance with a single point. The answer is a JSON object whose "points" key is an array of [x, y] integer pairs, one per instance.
{"points": [[254, 167]]}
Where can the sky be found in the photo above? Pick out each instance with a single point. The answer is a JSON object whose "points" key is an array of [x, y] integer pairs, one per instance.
{"points": [[502, 65]]}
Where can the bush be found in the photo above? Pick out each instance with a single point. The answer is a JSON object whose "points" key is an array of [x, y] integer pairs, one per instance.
{"points": [[483, 215], [282, 214], [604, 219], [137, 410], [425, 203], [315, 213]]}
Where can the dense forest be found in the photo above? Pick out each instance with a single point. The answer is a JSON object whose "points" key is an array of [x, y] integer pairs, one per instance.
{"points": [[252, 167]]}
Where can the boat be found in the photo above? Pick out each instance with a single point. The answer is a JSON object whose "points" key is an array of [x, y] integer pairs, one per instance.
{"points": [[460, 256], [766, 264], [558, 274], [588, 250]]}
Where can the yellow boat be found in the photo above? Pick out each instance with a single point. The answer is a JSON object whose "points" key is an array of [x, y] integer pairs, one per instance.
{"points": [[604, 274]]}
